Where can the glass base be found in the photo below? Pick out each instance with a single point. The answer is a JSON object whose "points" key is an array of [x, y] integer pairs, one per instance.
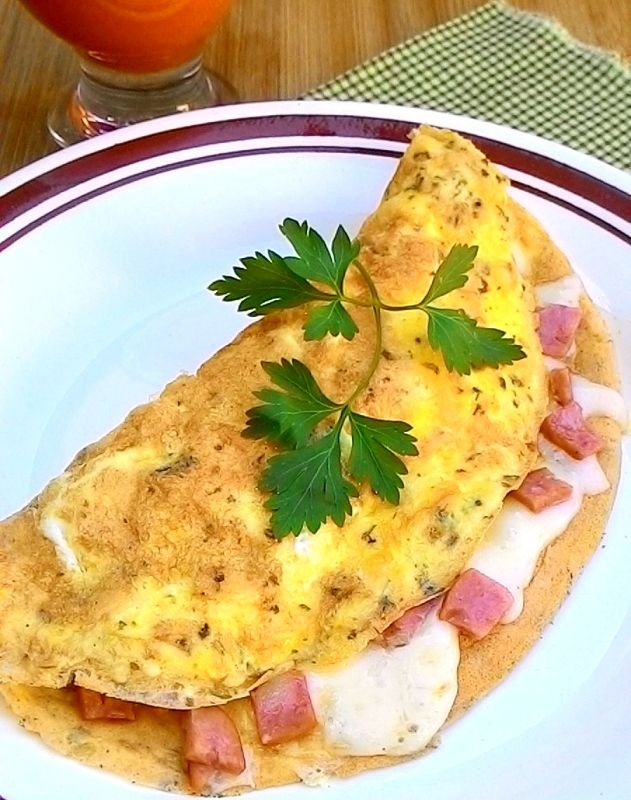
{"points": [[104, 101]]}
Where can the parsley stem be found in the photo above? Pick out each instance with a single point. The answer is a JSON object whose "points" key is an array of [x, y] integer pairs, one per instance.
{"points": [[355, 301], [411, 307], [374, 295], [375, 301], [376, 356]]}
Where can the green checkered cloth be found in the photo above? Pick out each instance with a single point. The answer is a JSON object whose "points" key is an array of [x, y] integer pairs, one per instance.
{"points": [[507, 66]]}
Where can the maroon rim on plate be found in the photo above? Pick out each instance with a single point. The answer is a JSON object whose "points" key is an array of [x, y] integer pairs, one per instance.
{"points": [[58, 179], [374, 151]]}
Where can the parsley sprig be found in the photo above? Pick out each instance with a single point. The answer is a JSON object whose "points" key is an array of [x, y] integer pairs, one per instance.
{"points": [[307, 480]]}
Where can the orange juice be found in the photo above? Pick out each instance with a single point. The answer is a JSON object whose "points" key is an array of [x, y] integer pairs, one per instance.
{"points": [[140, 36]]}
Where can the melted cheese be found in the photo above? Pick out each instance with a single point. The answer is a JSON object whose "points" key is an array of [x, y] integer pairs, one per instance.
{"points": [[521, 260], [518, 536], [302, 544], [55, 530], [56, 524], [390, 701], [224, 781], [598, 400], [312, 776], [585, 475], [553, 363], [565, 292], [394, 701]]}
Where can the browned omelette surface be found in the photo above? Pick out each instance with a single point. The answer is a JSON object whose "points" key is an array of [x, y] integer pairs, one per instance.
{"points": [[149, 750], [173, 591]]}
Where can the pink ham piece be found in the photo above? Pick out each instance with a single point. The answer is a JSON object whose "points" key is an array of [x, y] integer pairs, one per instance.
{"points": [[94, 705], [557, 327], [403, 629], [566, 428], [561, 386], [211, 738], [541, 489], [201, 776], [282, 708], [475, 603]]}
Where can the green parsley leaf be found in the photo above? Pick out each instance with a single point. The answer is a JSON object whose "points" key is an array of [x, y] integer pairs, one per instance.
{"points": [[465, 345], [314, 261], [307, 486], [373, 459], [451, 274], [306, 482], [289, 417], [331, 318], [345, 250], [265, 284]]}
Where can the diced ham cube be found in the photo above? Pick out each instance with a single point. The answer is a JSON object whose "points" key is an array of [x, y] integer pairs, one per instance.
{"points": [[561, 386], [566, 428], [211, 738], [557, 327], [282, 708], [541, 489], [201, 776], [94, 705], [475, 603], [403, 629]]}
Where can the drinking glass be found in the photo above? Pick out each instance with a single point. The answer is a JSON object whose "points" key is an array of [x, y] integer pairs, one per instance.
{"points": [[139, 59]]}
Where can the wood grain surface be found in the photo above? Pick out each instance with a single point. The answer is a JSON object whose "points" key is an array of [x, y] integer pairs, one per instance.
{"points": [[269, 49]]}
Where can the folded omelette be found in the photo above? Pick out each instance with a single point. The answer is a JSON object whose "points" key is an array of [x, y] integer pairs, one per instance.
{"points": [[147, 570]]}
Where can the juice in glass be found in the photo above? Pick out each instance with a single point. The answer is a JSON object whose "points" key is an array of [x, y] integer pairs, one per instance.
{"points": [[132, 35], [139, 59]]}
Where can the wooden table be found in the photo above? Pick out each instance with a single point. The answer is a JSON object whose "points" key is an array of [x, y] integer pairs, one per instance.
{"points": [[268, 49]]}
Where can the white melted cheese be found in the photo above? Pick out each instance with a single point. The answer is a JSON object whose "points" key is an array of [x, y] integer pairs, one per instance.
{"points": [[585, 475], [302, 543], [54, 530], [395, 701], [312, 776], [518, 536], [57, 530], [551, 363], [564, 292], [390, 701], [520, 259], [223, 781], [598, 400]]}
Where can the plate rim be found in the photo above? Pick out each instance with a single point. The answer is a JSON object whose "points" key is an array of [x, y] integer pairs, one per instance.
{"points": [[548, 148], [32, 195]]}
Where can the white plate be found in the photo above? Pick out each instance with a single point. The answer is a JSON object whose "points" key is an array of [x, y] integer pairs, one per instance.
{"points": [[105, 253]]}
